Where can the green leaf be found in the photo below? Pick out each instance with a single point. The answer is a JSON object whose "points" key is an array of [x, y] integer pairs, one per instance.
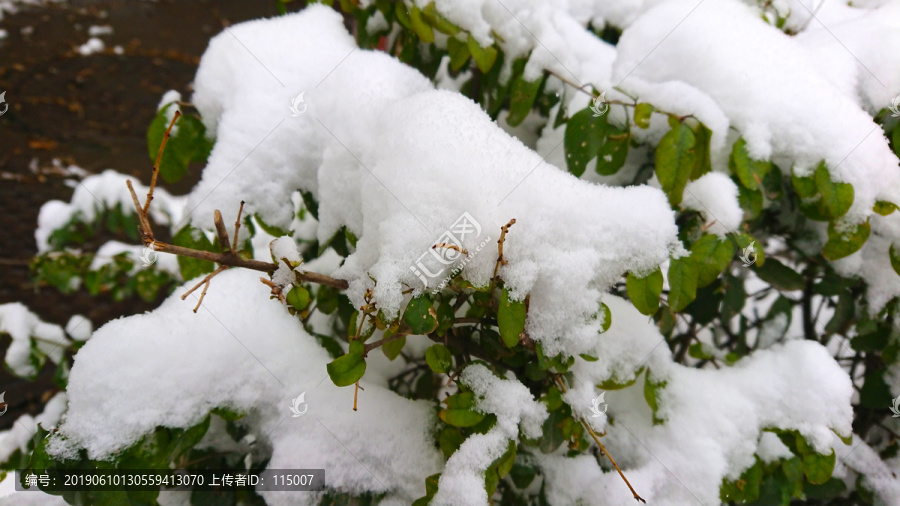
{"points": [[644, 292], [450, 440], [347, 370], [675, 160], [894, 253], [521, 97], [419, 26], [393, 348], [511, 319], [751, 202], [553, 399], [615, 383], [298, 298], [700, 351], [651, 395], [702, 163], [484, 56], [821, 198], [744, 241], [607, 321], [459, 53], [841, 245], [712, 255], [439, 358], [585, 135], [746, 488], [460, 410], [884, 207], [193, 238], [445, 317], [614, 151], [551, 433], [421, 316], [642, 114], [439, 22], [683, 274], [817, 467], [749, 172], [780, 276]]}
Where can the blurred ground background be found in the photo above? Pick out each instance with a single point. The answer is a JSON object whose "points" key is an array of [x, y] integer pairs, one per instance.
{"points": [[91, 111]]}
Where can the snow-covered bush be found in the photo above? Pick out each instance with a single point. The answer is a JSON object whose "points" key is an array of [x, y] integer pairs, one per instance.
{"points": [[515, 252]]}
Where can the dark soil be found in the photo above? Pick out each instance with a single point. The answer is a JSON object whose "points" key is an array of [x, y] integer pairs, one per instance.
{"points": [[91, 111]]}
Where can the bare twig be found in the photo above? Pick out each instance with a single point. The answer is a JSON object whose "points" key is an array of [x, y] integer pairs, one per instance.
{"points": [[450, 246], [205, 283], [603, 449], [237, 227], [500, 260], [224, 242], [162, 147]]}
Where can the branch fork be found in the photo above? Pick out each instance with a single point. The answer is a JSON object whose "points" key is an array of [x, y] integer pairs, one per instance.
{"points": [[229, 255]]}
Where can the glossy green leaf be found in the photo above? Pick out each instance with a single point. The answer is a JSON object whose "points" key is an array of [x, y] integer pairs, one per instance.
{"points": [[675, 160], [521, 97], [450, 440], [842, 245], [585, 135], [642, 113], [750, 172], [711, 255], [821, 198], [644, 292], [894, 253], [651, 394], [393, 348], [420, 316], [460, 410], [613, 152], [817, 467], [702, 162], [347, 370], [439, 358], [884, 207], [780, 276], [607, 318], [511, 319], [683, 273]]}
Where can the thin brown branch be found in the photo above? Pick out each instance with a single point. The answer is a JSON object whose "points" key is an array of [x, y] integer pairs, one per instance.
{"points": [[146, 231], [224, 242], [381, 342], [276, 290], [450, 246], [603, 449], [205, 283], [237, 228], [162, 147], [500, 260]]}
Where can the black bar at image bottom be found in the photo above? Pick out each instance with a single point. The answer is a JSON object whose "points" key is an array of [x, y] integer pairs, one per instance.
{"points": [[136, 480]]}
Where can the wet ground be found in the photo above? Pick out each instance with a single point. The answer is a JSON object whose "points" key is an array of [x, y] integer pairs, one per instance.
{"points": [[91, 111]]}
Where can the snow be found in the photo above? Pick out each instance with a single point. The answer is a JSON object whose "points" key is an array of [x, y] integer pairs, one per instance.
{"points": [[462, 480], [140, 256], [93, 45], [98, 30], [713, 418], [79, 328], [104, 191], [287, 257], [27, 330], [714, 195], [399, 171], [245, 352]]}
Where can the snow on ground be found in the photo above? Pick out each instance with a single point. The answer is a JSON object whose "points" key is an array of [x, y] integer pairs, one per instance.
{"points": [[26, 329]]}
